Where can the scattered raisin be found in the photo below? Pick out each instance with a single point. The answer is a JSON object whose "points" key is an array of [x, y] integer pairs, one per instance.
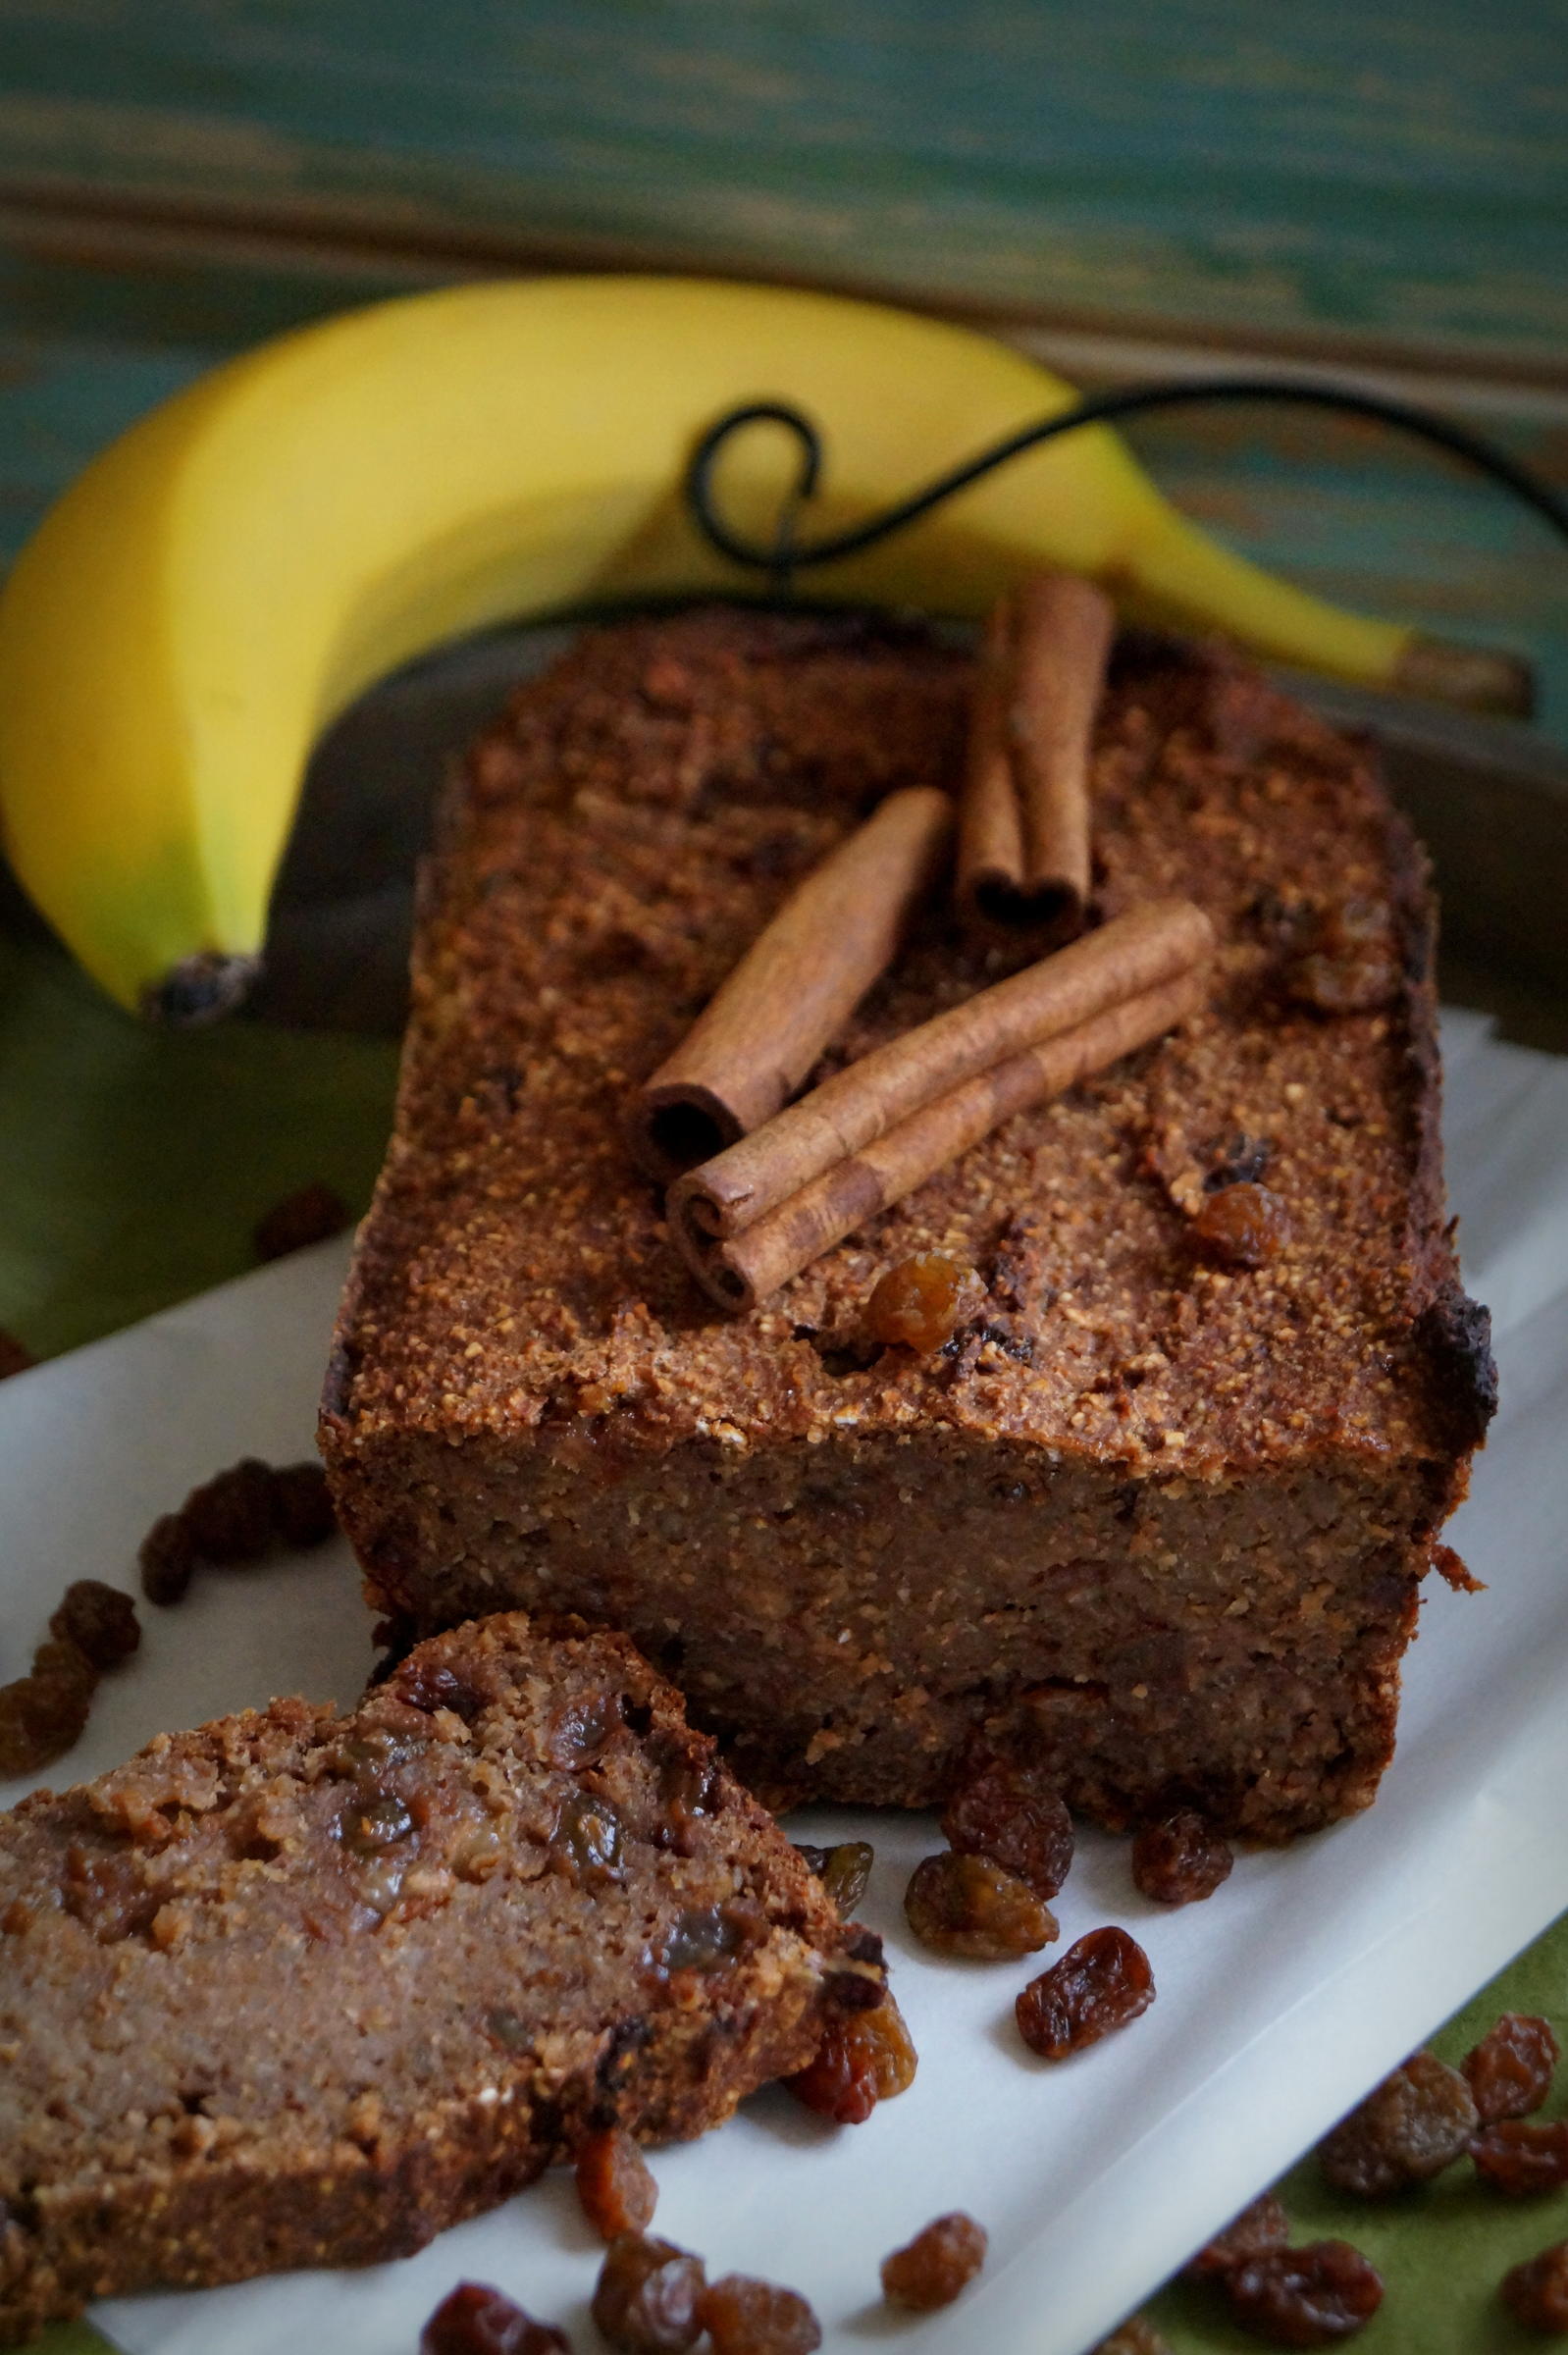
{"points": [[615, 2184], [969, 1906], [648, 2295], [1521, 2155], [743, 2315], [1101, 1983], [937, 2265], [1407, 2130], [921, 1302], [168, 1560], [864, 2057], [99, 1620], [1536, 2292], [1240, 1227], [43, 1715], [15, 1356], [589, 1840], [229, 1517], [476, 2320], [301, 1505], [1137, 2336], [1307, 2297], [310, 1216], [1510, 2070], [1261, 2226], [1180, 1860], [431, 1685], [843, 1871], [1008, 1812]]}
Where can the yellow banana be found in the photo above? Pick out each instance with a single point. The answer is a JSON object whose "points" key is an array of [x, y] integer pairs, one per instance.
{"points": [[245, 561]]}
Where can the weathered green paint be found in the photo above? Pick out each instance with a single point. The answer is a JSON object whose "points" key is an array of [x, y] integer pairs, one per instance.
{"points": [[1393, 172]]}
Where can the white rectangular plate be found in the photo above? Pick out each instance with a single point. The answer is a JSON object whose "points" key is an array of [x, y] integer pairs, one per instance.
{"points": [[1280, 2001]]}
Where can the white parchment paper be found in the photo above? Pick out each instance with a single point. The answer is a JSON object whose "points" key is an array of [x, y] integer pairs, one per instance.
{"points": [[1280, 2001]]}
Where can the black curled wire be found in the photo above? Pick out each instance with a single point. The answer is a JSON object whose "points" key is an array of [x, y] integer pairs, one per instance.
{"points": [[787, 554]]}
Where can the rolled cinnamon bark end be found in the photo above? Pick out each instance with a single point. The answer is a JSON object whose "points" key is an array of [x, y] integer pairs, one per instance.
{"points": [[761, 1033], [740, 1270], [1025, 844], [1133, 953], [1474, 678]]}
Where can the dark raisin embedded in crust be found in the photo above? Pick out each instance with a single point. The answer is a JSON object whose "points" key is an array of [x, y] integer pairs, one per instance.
{"points": [[1009, 1812], [167, 1559], [864, 2057], [969, 1906], [920, 1303], [1408, 2129], [615, 2184], [1307, 2297], [937, 2265], [843, 1871], [1353, 964], [743, 2315], [1536, 2293], [648, 2295], [1509, 2072], [1101, 1985], [1522, 2156], [99, 1620], [1238, 1160], [1242, 1226], [476, 2320], [301, 1505], [704, 1938], [589, 1840], [580, 1731], [1261, 2226], [311, 1216], [1180, 1860]]}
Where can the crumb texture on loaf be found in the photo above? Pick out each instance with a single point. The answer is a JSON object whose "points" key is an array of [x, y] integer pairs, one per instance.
{"points": [[300, 1989], [1153, 1513]]}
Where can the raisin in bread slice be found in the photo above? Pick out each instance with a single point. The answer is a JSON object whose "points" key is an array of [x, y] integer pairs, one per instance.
{"points": [[301, 1989]]}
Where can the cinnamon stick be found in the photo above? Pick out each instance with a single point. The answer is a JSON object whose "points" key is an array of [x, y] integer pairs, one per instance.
{"points": [[759, 1035], [1132, 954], [742, 1269], [1024, 842]]}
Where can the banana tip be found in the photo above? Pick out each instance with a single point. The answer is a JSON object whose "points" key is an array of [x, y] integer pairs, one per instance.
{"points": [[200, 989], [1478, 678]]}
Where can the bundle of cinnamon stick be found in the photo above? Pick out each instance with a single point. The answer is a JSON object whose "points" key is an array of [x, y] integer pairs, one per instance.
{"points": [[775, 1185]]}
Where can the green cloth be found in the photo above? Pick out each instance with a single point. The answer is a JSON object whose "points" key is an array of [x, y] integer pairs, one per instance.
{"points": [[133, 1166], [1442, 2250], [134, 1162]]}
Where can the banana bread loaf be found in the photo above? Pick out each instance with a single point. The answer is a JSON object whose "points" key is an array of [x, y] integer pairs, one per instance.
{"points": [[1158, 1511], [296, 1989]]}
